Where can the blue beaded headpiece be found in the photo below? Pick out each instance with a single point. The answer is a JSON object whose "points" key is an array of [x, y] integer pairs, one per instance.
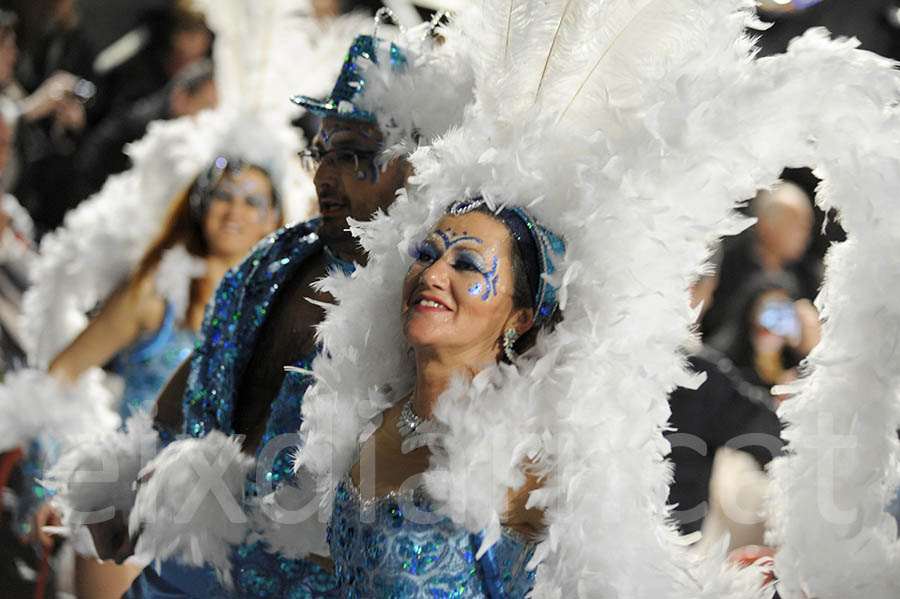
{"points": [[350, 84], [539, 246]]}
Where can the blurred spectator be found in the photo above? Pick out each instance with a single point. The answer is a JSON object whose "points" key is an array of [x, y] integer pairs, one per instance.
{"points": [[17, 258], [21, 574], [769, 330], [46, 124], [101, 155], [147, 58], [62, 46], [776, 244], [717, 414]]}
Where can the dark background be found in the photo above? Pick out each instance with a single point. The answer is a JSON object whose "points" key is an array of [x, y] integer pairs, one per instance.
{"points": [[105, 20], [866, 20]]}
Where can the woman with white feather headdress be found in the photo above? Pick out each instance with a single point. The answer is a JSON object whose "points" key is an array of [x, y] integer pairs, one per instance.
{"points": [[628, 129]]}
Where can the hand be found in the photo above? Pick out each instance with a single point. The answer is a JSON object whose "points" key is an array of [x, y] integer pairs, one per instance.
{"points": [[749, 555], [788, 376], [111, 539], [45, 98], [69, 114], [810, 326], [46, 515]]}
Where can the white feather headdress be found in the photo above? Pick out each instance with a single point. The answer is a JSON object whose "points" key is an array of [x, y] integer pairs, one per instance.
{"points": [[631, 127]]}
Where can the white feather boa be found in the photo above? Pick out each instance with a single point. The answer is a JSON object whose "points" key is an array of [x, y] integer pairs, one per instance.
{"points": [[176, 269], [188, 506], [638, 203], [34, 405], [94, 480]]}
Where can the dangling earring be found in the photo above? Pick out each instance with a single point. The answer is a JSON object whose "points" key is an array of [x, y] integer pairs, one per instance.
{"points": [[509, 339]]}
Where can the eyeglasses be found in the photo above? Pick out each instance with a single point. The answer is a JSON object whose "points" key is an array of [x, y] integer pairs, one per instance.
{"points": [[339, 158]]}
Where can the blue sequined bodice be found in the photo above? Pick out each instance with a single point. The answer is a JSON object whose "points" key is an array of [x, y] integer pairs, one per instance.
{"points": [[398, 547], [147, 363], [230, 329]]}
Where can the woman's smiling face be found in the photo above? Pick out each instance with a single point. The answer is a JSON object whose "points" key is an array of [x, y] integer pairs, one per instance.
{"points": [[457, 295], [239, 212]]}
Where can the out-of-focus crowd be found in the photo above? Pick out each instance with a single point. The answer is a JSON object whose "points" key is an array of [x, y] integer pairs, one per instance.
{"points": [[756, 322], [68, 111]]}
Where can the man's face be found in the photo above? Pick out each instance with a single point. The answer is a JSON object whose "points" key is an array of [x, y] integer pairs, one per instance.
{"points": [[348, 182]]}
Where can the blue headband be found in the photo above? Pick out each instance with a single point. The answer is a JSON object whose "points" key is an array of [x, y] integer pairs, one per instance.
{"points": [[537, 245]]}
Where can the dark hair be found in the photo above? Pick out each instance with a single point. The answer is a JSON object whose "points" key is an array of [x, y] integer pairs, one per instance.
{"points": [[522, 296]]}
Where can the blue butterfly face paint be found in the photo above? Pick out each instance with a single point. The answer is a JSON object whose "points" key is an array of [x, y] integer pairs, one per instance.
{"points": [[464, 259], [490, 282]]}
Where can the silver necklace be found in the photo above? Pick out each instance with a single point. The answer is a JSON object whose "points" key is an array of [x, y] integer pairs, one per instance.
{"points": [[408, 421]]}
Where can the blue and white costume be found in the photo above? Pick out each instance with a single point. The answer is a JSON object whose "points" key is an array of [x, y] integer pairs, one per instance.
{"points": [[382, 549]]}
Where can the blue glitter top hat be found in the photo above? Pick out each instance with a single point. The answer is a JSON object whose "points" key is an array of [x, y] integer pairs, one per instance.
{"points": [[545, 249], [350, 84]]}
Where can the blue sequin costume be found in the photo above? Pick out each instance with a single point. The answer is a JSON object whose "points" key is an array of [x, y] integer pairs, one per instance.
{"points": [[397, 546], [230, 329], [147, 363]]}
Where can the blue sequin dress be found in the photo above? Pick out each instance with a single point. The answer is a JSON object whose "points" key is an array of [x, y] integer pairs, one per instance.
{"points": [[148, 362], [398, 546], [229, 333]]}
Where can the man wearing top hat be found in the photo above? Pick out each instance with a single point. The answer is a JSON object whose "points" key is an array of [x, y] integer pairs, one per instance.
{"points": [[262, 319]]}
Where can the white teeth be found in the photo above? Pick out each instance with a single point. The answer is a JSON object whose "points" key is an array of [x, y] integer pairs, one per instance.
{"points": [[430, 303]]}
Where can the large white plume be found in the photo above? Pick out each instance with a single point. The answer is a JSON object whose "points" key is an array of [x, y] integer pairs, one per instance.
{"points": [[634, 145]]}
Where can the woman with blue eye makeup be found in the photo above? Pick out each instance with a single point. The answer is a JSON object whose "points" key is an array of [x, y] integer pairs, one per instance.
{"points": [[143, 332], [472, 297]]}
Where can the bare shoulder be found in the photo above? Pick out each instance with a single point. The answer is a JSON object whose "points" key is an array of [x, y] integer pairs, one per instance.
{"points": [[148, 306]]}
